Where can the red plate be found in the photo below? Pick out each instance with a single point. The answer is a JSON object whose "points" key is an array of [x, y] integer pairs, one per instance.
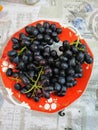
{"points": [[55, 103]]}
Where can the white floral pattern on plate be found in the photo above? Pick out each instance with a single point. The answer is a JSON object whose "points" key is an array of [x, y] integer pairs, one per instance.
{"points": [[50, 104], [5, 65]]}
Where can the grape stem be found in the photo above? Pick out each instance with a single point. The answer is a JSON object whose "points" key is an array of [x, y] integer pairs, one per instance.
{"points": [[17, 79], [35, 86], [22, 50], [77, 42]]}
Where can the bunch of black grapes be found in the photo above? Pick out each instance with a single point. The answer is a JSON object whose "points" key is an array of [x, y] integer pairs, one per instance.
{"points": [[39, 67]]}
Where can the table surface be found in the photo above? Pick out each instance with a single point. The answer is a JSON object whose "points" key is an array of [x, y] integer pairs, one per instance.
{"points": [[83, 113]]}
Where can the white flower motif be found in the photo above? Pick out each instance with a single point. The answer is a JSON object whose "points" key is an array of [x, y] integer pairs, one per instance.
{"points": [[53, 106], [50, 100], [5, 65], [11, 66], [50, 104], [47, 106]]}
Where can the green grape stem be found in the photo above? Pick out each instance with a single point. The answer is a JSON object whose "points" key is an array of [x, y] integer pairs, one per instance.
{"points": [[35, 86], [77, 42], [22, 50]]}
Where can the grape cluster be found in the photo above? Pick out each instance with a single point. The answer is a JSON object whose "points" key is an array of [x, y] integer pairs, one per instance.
{"points": [[39, 70]]}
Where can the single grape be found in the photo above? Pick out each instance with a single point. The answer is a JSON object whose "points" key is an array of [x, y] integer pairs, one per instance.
{"points": [[17, 86], [9, 72]]}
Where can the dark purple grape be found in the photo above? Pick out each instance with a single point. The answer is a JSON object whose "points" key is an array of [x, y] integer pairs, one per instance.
{"points": [[28, 95], [46, 95], [36, 98], [28, 52], [35, 42], [36, 53], [53, 27], [47, 38], [61, 93], [47, 49], [59, 30], [74, 82], [80, 57], [12, 53], [38, 25], [40, 48], [25, 80], [25, 43], [50, 42], [57, 86], [35, 32], [15, 40], [31, 73], [68, 53], [43, 43], [32, 66], [72, 62], [70, 71], [25, 58], [23, 90], [46, 25], [82, 47], [62, 73], [39, 37], [45, 82], [16, 46], [57, 64], [61, 80], [61, 48], [15, 74], [63, 58], [29, 29], [69, 84], [46, 55], [17, 86], [64, 65], [30, 59], [41, 29], [78, 69], [74, 49], [9, 72], [63, 89], [56, 39], [38, 57], [53, 53], [88, 59], [54, 34], [66, 45], [50, 60], [21, 66], [22, 36], [49, 88], [54, 79], [42, 62], [69, 79], [43, 76], [78, 75], [15, 59], [33, 47], [56, 71], [48, 71], [48, 31], [28, 86]]}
